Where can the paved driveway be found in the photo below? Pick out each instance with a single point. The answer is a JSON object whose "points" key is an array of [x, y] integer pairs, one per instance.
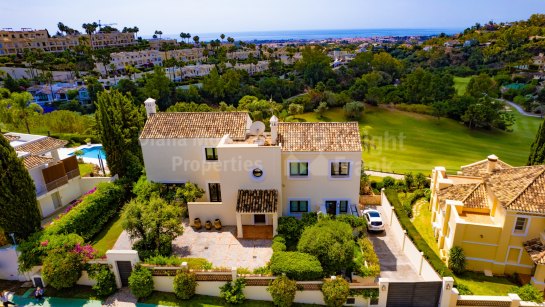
{"points": [[222, 248], [393, 262]]}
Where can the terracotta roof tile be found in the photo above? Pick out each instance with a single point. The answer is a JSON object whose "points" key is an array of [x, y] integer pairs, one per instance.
{"points": [[31, 162], [180, 125], [520, 188], [11, 138], [457, 192], [477, 198], [257, 201], [536, 250], [41, 146], [480, 168], [334, 137]]}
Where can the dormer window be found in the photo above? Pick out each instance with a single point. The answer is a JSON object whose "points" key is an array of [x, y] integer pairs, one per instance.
{"points": [[211, 154]]}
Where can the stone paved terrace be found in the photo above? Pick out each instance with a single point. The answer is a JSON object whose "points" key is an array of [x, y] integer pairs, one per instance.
{"points": [[222, 248]]}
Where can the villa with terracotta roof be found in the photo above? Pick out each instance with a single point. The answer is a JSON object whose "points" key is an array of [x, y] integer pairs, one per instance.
{"points": [[250, 176], [57, 181], [496, 213]]}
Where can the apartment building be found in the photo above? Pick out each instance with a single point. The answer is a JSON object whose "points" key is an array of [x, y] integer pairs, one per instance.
{"points": [[496, 213], [58, 92], [157, 43], [251, 177], [58, 181], [16, 42]]}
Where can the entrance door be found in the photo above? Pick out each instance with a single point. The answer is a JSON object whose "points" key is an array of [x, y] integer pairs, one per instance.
{"points": [[259, 218], [331, 207], [124, 268]]}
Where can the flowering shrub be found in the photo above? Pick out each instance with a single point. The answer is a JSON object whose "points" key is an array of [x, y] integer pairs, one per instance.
{"points": [[87, 252], [62, 270]]}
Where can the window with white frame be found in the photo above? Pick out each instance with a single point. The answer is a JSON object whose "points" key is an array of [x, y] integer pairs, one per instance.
{"points": [[298, 169], [211, 154], [340, 169], [521, 224], [298, 206]]}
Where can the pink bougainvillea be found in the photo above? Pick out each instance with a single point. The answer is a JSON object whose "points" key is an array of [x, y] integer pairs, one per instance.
{"points": [[86, 251], [44, 243]]}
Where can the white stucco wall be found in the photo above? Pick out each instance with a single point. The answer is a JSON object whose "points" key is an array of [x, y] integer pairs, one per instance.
{"points": [[179, 161], [84, 280], [8, 264], [319, 186], [38, 178], [236, 174]]}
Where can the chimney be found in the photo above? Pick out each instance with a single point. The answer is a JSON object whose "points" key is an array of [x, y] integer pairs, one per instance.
{"points": [[492, 161], [150, 107], [274, 129]]}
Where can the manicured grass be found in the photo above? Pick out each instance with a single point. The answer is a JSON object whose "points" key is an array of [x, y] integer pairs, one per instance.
{"points": [[106, 239], [477, 282], [422, 222], [169, 299], [85, 169], [410, 142], [460, 84]]}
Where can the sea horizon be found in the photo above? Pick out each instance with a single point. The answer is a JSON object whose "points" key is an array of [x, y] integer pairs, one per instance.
{"points": [[286, 35]]}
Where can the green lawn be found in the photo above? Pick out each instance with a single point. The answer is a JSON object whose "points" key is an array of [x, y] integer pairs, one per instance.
{"points": [[169, 299], [460, 84], [106, 239], [414, 142], [477, 282], [85, 169]]}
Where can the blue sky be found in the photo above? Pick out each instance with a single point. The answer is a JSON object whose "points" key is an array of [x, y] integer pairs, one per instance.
{"points": [[205, 16]]}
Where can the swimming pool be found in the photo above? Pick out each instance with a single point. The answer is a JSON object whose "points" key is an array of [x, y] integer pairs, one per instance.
{"points": [[92, 152]]}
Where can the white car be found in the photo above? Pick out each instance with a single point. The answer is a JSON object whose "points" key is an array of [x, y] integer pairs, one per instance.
{"points": [[374, 220]]}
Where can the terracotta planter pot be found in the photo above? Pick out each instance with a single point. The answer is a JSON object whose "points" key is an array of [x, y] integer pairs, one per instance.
{"points": [[208, 225], [217, 224], [197, 223]]}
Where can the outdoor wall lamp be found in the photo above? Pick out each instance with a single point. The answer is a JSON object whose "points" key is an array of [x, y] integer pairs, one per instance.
{"points": [[383, 288], [447, 287]]}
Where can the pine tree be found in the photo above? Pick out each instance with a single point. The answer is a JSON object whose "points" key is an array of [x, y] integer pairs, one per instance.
{"points": [[119, 123], [537, 152], [19, 212]]}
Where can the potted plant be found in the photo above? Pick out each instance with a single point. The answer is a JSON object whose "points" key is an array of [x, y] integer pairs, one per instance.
{"points": [[217, 224], [197, 223], [208, 225]]}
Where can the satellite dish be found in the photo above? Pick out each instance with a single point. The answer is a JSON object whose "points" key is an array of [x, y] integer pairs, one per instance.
{"points": [[257, 128]]}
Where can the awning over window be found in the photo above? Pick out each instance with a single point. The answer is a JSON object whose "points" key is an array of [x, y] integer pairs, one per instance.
{"points": [[257, 201]]}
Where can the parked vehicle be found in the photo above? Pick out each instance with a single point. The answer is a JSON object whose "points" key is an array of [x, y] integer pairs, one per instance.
{"points": [[374, 220]]}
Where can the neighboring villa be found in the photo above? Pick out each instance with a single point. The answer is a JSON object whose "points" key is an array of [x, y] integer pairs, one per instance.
{"points": [[251, 177], [496, 214], [58, 181], [58, 92]]}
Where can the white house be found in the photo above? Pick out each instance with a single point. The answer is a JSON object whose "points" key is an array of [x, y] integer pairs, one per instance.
{"points": [[58, 181], [251, 177]]}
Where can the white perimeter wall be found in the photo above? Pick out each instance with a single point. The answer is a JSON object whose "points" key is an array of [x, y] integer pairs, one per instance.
{"points": [[420, 264]]}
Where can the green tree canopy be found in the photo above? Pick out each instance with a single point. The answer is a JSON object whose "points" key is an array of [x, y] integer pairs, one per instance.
{"points": [[18, 204], [537, 151], [331, 242], [119, 123], [314, 65]]}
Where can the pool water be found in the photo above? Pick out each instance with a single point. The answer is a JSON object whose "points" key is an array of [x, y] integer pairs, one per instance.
{"points": [[92, 152]]}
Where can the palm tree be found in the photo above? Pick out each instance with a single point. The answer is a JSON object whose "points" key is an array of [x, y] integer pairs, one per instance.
{"points": [[90, 28], [113, 70], [196, 39], [23, 107], [62, 27], [230, 40], [222, 36], [158, 32], [188, 36]]}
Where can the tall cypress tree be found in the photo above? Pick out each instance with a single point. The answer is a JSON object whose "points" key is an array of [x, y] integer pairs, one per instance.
{"points": [[119, 123], [537, 152], [18, 205]]}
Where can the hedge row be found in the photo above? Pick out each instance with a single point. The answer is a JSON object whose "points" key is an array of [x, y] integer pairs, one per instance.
{"points": [[415, 236], [296, 265], [89, 217]]}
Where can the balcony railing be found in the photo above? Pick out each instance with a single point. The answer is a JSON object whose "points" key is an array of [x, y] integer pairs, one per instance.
{"points": [[57, 183]]}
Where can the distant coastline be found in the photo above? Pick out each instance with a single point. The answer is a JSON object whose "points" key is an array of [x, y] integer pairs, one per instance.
{"points": [[309, 35]]}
